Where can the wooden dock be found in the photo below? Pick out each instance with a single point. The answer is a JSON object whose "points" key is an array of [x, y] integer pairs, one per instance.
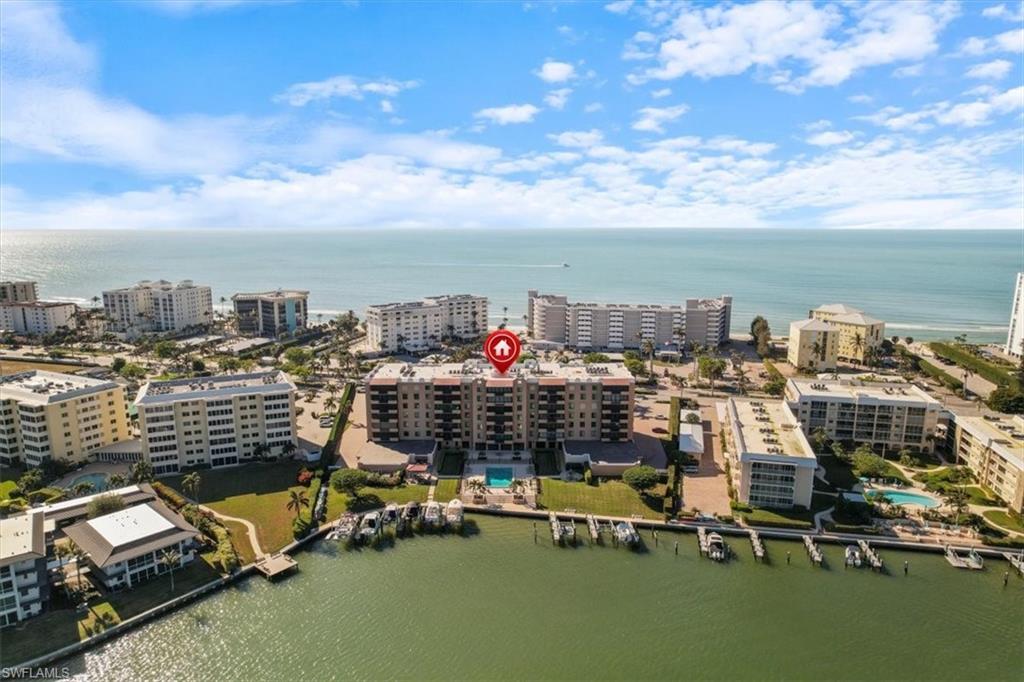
{"points": [[972, 560], [594, 528], [757, 545], [1016, 560], [813, 551], [273, 565], [870, 555], [556, 528], [702, 540]]}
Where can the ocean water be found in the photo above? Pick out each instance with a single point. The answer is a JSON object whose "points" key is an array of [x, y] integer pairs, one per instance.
{"points": [[924, 284]]}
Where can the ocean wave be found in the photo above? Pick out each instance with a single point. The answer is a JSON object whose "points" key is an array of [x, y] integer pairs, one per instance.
{"points": [[945, 328]]}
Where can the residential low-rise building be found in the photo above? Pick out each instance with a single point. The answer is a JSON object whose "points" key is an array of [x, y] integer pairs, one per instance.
{"points": [[271, 313], [422, 325], [993, 447], [25, 291], [888, 416], [813, 345], [47, 416], [38, 318], [771, 462], [158, 307], [216, 421], [859, 335], [126, 547], [24, 586], [1015, 336], [552, 319]]}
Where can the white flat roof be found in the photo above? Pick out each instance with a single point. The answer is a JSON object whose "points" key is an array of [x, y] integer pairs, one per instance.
{"points": [[858, 391], [767, 427], [130, 525], [21, 537], [40, 387], [79, 501], [691, 436], [1004, 434], [273, 381]]}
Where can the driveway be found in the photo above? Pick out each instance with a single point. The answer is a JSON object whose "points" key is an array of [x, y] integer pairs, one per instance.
{"points": [[354, 436]]}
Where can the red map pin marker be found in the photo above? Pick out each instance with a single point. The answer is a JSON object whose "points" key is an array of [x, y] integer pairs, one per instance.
{"points": [[502, 348]]}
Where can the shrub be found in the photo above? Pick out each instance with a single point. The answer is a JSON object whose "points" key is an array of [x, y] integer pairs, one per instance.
{"points": [[640, 478], [1007, 400], [305, 476], [596, 357], [947, 380], [169, 495], [104, 504], [349, 481], [300, 527]]}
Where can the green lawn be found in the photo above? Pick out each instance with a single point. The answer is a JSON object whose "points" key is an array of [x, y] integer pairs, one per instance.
{"points": [[240, 541], [608, 498], [373, 498], [1004, 519], [446, 490], [838, 472], [6, 488]]}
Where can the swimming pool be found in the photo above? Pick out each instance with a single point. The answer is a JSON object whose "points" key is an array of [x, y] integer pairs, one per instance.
{"points": [[904, 498], [499, 477], [98, 481]]}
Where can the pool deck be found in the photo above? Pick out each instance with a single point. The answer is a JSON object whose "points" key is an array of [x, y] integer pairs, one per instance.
{"points": [[105, 468]]}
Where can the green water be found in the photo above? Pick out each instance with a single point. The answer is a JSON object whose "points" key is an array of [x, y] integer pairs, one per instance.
{"points": [[496, 605]]}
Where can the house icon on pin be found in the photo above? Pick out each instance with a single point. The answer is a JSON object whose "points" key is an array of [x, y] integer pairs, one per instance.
{"points": [[502, 349]]}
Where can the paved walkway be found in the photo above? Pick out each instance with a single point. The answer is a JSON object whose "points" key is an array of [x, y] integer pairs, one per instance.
{"points": [[253, 538]]}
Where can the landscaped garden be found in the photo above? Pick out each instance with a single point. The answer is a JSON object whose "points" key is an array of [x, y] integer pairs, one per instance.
{"points": [[373, 498], [1004, 519], [606, 498], [947, 479]]}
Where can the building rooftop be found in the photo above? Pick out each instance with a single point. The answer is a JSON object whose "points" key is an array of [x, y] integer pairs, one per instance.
{"points": [[1005, 434], [767, 427], [798, 389], [394, 372], [40, 387], [856, 318], [276, 294], [161, 284], [691, 436], [69, 509], [812, 325], [129, 533], [373, 453], [837, 309], [426, 302], [38, 304], [22, 537], [273, 381]]}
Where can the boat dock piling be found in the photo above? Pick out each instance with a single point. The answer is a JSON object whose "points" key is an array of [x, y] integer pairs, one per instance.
{"points": [[870, 554], [595, 530], [813, 551], [757, 545], [1016, 560], [972, 561], [556, 528]]}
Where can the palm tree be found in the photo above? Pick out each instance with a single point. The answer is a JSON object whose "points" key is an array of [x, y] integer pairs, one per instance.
{"points": [[958, 500], [296, 501], [260, 450], [170, 559], [517, 486], [78, 554], [288, 448], [116, 481], [742, 381], [63, 553], [190, 483], [647, 347], [818, 349], [477, 486], [83, 488], [858, 343]]}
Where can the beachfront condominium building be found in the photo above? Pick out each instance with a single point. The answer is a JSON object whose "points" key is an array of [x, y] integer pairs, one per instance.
{"points": [[813, 345], [887, 416], [859, 334], [158, 307], [51, 417], [271, 313], [772, 463], [24, 587], [552, 319], [422, 325], [993, 447], [18, 292], [129, 546], [1015, 336], [38, 317], [216, 421]]}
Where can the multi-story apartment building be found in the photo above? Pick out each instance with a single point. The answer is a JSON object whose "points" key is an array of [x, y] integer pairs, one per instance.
{"points": [[469, 406], [18, 292], [859, 334], [216, 421], [38, 317], [993, 447], [421, 325], [271, 313], [24, 587], [886, 416], [128, 546], [1015, 337], [813, 345], [59, 417], [608, 326], [772, 463], [158, 307]]}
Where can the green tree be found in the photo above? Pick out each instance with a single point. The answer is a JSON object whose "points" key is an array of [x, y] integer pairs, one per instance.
{"points": [[170, 559], [141, 472], [102, 505], [118, 364], [190, 483], [1007, 400], [297, 500], [958, 500], [349, 481], [869, 465], [820, 439], [165, 350], [711, 369], [228, 364], [297, 356], [133, 371], [30, 481], [116, 481], [641, 478], [198, 365], [591, 358]]}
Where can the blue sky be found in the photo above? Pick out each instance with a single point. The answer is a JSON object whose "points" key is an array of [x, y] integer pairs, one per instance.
{"points": [[193, 114]]}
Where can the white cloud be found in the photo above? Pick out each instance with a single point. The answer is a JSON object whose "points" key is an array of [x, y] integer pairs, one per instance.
{"points": [[1003, 12], [513, 113], [185, 7], [994, 70], [556, 72], [860, 99], [386, 106], [577, 138], [619, 6], [908, 71], [663, 92], [963, 114], [351, 87], [653, 119], [557, 99], [829, 138], [593, 107], [1008, 41]]}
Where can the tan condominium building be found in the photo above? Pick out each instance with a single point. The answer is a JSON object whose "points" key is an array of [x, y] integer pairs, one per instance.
{"points": [[271, 313], [886, 416], [38, 317], [993, 447], [18, 292], [813, 345], [216, 421], [46, 416], [771, 462], [24, 582], [158, 307], [554, 320], [859, 334], [422, 325], [1015, 336], [469, 406]]}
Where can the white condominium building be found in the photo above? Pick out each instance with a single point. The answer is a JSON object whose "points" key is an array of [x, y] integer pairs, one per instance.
{"points": [[813, 345], [60, 417], [858, 333], [37, 317], [993, 447], [216, 421], [609, 326], [24, 586], [422, 325], [19, 292], [157, 307], [1015, 337], [888, 416], [271, 313], [772, 464]]}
